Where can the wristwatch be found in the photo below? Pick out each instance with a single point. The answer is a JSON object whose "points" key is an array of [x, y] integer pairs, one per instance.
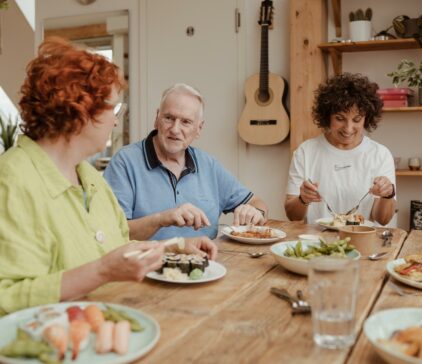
{"points": [[392, 193]]}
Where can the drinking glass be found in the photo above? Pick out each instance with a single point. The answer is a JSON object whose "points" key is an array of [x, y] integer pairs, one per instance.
{"points": [[333, 287]]}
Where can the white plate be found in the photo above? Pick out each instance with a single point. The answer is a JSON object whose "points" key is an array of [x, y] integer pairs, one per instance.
{"points": [[325, 222], [213, 272], [299, 266], [140, 342], [277, 234], [309, 237], [382, 324], [399, 277]]}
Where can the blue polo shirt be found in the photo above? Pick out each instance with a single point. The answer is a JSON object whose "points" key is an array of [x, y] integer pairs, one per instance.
{"points": [[143, 186]]}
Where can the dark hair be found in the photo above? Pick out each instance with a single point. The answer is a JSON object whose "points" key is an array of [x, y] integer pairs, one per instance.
{"points": [[66, 86], [340, 93]]}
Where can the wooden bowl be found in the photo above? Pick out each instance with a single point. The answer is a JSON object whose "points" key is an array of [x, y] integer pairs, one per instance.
{"points": [[364, 238]]}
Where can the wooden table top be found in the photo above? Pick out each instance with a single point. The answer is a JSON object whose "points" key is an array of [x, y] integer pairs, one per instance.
{"points": [[237, 320], [363, 351]]}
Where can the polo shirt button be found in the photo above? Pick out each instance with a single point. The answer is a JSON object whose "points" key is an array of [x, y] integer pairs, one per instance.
{"points": [[177, 192], [100, 236]]}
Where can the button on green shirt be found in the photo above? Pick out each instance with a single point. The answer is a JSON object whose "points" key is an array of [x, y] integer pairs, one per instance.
{"points": [[48, 226]]}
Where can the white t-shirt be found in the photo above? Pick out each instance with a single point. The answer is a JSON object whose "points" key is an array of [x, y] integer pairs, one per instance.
{"points": [[344, 176]]}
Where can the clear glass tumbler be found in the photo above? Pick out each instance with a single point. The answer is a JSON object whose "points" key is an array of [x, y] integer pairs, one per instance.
{"points": [[333, 286]]}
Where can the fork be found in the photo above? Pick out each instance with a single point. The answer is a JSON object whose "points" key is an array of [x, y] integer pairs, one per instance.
{"points": [[354, 209], [323, 199], [399, 290]]}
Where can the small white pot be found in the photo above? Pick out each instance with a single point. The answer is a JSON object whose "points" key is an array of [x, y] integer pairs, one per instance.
{"points": [[360, 30]]}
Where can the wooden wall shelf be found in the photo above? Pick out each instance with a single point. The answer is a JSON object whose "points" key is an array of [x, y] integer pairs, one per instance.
{"points": [[408, 172], [402, 109], [335, 50]]}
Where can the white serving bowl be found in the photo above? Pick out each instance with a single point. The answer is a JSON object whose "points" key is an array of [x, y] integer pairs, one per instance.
{"points": [[299, 266], [382, 324]]}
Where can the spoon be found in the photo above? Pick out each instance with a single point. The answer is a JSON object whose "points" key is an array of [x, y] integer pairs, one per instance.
{"points": [[252, 255], [376, 256]]}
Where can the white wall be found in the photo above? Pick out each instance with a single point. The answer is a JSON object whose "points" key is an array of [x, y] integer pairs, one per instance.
{"points": [[400, 132], [263, 169], [18, 49]]}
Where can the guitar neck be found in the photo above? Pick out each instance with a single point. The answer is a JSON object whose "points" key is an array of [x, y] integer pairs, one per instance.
{"points": [[263, 71]]}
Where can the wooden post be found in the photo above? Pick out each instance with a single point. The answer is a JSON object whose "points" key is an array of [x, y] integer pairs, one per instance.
{"points": [[308, 28]]}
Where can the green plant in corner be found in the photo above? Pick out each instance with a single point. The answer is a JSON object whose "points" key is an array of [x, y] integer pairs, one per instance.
{"points": [[8, 133], [408, 72]]}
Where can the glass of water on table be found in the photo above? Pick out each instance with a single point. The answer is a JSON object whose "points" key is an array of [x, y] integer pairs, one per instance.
{"points": [[333, 287]]}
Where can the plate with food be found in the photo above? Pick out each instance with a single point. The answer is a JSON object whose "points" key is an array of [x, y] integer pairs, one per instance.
{"points": [[340, 220], [396, 334], [188, 269], [407, 270], [253, 234], [77, 332], [294, 255]]}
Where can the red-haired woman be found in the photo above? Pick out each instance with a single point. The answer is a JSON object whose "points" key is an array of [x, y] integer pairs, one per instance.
{"points": [[62, 232]]}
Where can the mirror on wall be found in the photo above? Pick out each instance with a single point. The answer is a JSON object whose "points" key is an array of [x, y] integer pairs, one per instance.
{"points": [[107, 34]]}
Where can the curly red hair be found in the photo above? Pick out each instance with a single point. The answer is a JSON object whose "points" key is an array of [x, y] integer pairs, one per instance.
{"points": [[66, 86]]}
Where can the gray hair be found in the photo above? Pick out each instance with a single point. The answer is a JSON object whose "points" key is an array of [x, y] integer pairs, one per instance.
{"points": [[183, 88]]}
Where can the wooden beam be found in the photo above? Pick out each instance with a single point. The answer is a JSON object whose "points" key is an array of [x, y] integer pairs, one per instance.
{"points": [[308, 28], [337, 16], [81, 32], [336, 60]]}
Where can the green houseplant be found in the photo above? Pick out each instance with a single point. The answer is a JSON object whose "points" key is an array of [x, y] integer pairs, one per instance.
{"points": [[8, 133], [408, 72]]}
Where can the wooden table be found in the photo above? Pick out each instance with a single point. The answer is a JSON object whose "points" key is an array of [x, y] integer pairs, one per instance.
{"points": [[237, 320], [363, 351]]}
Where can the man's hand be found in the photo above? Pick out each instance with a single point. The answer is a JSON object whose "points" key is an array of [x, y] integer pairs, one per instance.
{"points": [[309, 192], [247, 214], [184, 215]]}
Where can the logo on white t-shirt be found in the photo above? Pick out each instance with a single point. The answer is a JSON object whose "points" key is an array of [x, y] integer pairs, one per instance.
{"points": [[339, 167]]}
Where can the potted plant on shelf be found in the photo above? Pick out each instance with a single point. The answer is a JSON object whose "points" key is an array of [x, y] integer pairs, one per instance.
{"points": [[360, 25], [8, 134], [408, 72]]}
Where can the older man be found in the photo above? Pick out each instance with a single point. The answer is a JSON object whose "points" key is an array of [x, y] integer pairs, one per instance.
{"points": [[168, 188]]}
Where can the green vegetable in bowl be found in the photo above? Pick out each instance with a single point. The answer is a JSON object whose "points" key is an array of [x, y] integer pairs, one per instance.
{"points": [[338, 248]]}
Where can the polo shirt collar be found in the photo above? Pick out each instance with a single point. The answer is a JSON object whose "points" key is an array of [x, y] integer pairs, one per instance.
{"points": [[54, 180], [153, 161]]}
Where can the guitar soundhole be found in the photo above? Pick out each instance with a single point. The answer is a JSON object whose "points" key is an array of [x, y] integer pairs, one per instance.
{"points": [[263, 98]]}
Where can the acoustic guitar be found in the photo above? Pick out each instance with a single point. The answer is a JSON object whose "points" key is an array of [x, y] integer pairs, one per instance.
{"points": [[264, 119]]}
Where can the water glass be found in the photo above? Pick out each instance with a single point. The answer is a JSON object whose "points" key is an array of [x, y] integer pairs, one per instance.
{"points": [[333, 287]]}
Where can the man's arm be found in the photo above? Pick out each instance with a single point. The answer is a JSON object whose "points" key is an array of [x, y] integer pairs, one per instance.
{"points": [[184, 215], [260, 205], [255, 212]]}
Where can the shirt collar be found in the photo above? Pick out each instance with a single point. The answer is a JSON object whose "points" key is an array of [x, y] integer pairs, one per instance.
{"points": [[153, 161], [54, 180]]}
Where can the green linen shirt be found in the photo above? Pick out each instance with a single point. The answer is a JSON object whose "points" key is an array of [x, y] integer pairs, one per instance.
{"points": [[48, 226]]}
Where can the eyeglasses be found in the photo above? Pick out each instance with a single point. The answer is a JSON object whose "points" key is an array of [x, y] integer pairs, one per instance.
{"points": [[118, 109]]}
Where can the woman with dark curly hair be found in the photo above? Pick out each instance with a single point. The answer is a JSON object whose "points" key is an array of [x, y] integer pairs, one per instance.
{"points": [[342, 164], [62, 231]]}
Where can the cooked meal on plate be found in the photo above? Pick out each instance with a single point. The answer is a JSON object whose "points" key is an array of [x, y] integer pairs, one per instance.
{"points": [[256, 233], [50, 333], [412, 268], [351, 219], [183, 267], [407, 341], [337, 248]]}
